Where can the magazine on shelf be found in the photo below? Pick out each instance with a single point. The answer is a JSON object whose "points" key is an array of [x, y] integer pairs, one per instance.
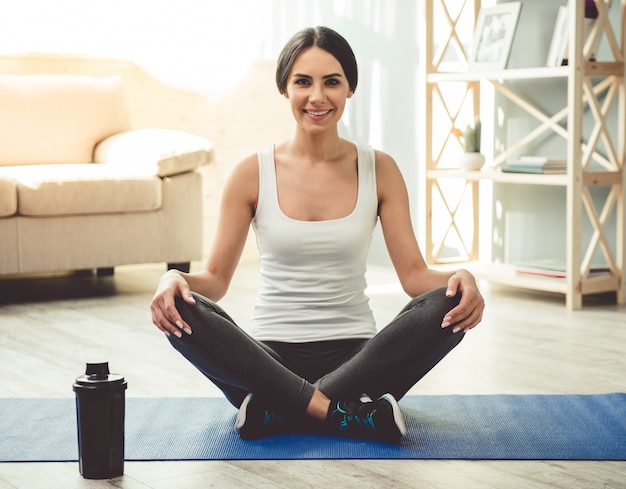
{"points": [[559, 47], [550, 268], [536, 164], [559, 44]]}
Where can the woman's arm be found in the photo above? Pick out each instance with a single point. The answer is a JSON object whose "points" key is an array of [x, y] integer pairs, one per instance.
{"points": [[237, 207], [415, 276]]}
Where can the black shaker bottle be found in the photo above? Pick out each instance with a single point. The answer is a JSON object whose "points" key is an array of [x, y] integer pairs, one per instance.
{"points": [[100, 417]]}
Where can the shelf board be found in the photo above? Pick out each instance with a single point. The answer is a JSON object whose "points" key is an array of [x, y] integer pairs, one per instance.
{"points": [[499, 176], [495, 274], [592, 68], [503, 274], [598, 178], [514, 74]]}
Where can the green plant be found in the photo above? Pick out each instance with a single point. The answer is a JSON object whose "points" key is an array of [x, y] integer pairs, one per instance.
{"points": [[471, 136]]}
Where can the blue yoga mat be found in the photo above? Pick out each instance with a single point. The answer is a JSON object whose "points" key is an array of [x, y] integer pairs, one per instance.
{"points": [[483, 427]]}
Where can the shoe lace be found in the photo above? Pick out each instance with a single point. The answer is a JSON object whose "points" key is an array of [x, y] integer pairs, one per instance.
{"points": [[351, 420]]}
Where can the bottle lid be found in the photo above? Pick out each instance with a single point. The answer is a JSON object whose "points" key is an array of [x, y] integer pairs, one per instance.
{"points": [[97, 375]]}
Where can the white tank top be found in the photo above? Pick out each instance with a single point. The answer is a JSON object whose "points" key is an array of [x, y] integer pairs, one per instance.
{"points": [[313, 272]]}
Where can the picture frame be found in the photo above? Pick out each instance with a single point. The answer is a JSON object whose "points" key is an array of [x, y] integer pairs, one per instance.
{"points": [[493, 36]]}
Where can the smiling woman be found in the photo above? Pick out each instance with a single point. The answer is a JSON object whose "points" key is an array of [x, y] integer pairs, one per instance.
{"points": [[314, 357], [317, 88]]}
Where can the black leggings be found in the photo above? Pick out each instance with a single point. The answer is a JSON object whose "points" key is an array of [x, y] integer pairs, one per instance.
{"points": [[286, 374]]}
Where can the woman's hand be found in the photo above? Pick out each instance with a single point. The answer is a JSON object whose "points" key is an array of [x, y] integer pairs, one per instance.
{"points": [[469, 312], [165, 316]]}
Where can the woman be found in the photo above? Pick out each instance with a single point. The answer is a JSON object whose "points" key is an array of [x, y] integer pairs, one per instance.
{"points": [[312, 357]]}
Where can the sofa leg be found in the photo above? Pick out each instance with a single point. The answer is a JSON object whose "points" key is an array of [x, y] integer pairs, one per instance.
{"points": [[182, 266], [105, 272]]}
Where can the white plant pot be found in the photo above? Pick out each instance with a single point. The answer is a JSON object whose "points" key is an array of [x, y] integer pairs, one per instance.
{"points": [[472, 161]]}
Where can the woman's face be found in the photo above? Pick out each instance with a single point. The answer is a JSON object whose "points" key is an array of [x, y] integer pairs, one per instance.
{"points": [[317, 90]]}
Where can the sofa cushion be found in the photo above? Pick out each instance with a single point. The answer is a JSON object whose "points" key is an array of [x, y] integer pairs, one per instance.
{"points": [[53, 190], [166, 151], [8, 197], [58, 118]]}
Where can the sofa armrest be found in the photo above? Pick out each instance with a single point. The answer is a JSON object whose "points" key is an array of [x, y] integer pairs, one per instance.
{"points": [[168, 151]]}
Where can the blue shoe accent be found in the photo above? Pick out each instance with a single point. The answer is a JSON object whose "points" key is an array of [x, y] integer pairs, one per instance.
{"points": [[381, 419], [255, 421], [270, 418]]}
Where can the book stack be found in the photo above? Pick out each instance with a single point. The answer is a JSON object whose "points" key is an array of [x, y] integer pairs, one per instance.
{"points": [[536, 164]]}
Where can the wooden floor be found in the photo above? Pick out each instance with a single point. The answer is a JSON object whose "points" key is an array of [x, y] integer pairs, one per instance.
{"points": [[528, 343]]}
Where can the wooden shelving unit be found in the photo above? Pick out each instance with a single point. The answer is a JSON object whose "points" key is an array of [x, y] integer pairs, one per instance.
{"points": [[595, 156]]}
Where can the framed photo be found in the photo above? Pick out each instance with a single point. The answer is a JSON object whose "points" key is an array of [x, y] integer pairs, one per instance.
{"points": [[493, 36]]}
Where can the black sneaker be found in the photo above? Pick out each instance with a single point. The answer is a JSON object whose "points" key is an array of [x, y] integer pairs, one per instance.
{"points": [[255, 421], [379, 420]]}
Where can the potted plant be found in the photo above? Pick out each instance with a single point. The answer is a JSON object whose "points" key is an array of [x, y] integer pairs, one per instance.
{"points": [[472, 159]]}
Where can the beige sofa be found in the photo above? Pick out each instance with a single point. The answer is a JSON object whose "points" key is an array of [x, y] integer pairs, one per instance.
{"points": [[79, 189]]}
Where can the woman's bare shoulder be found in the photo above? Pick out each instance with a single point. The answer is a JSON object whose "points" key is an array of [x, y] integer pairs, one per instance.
{"points": [[244, 170], [243, 180], [387, 171], [247, 164], [384, 160]]}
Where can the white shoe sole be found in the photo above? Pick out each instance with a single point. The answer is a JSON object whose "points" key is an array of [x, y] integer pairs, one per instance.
{"points": [[243, 410], [398, 417]]}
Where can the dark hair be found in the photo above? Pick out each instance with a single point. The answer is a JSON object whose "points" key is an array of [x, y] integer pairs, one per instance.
{"points": [[324, 38]]}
